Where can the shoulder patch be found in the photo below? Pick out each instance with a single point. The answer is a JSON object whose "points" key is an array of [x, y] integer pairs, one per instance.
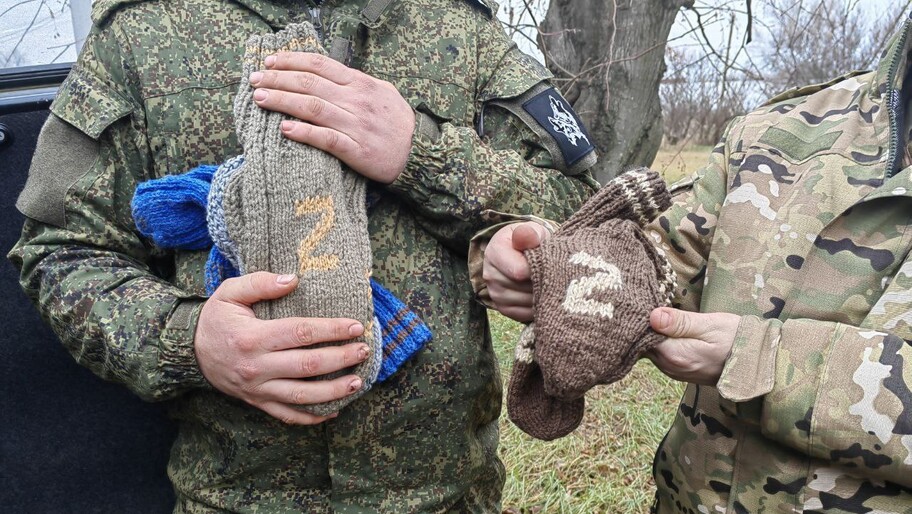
{"points": [[483, 5], [62, 156], [544, 110], [553, 113]]}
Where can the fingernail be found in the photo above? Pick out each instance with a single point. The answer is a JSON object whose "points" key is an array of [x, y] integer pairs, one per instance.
{"points": [[256, 77], [355, 330], [270, 61], [260, 94], [285, 279], [354, 385], [363, 352], [665, 319], [286, 126]]}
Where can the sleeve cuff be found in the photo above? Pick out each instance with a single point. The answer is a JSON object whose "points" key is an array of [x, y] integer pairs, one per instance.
{"points": [[178, 356], [426, 136], [750, 370], [480, 241]]}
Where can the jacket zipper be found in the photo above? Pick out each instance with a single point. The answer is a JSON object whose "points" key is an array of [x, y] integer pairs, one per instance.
{"points": [[893, 103]]}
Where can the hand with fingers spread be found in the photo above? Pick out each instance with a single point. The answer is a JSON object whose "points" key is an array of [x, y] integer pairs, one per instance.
{"points": [[697, 346], [361, 120], [263, 362], [506, 270]]}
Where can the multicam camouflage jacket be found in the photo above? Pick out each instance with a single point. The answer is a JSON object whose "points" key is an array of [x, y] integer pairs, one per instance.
{"points": [[802, 223], [151, 95]]}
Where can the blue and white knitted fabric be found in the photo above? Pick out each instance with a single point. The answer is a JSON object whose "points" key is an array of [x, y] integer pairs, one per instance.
{"points": [[185, 212], [225, 259]]}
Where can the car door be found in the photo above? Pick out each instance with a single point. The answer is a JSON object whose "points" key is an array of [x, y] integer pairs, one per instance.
{"points": [[69, 442]]}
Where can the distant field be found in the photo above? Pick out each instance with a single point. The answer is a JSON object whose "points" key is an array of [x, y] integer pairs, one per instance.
{"points": [[677, 162], [605, 466]]}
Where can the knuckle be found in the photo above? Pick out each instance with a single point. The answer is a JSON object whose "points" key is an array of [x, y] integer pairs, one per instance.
{"points": [[299, 396], [679, 325], [685, 325], [367, 84], [252, 281], [304, 333], [270, 78], [306, 81], [250, 389], [333, 141], [320, 62], [365, 106], [248, 371], [314, 106], [287, 419], [309, 365], [244, 344], [234, 340], [340, 332]]}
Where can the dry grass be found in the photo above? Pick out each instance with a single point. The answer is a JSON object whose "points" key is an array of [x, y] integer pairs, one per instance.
{"points": [[602, 467], [675, 163], [605, 466]]}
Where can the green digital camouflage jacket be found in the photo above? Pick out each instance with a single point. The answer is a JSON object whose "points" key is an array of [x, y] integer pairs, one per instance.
{"points": [[801, 223], [151, 95]]}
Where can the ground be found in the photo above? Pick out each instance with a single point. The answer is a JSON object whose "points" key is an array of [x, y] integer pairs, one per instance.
{"points": [[605, 466]]}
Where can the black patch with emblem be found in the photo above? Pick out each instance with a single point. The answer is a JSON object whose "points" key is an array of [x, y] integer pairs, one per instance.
{"points": [[557, 117], [481, 5]]}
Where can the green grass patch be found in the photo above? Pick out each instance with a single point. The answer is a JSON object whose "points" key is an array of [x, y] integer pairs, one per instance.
{"points": [[605, 465]]}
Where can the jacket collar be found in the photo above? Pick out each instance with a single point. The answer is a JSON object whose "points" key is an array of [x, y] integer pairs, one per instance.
{"points": [[886, 90], [894, 60]]}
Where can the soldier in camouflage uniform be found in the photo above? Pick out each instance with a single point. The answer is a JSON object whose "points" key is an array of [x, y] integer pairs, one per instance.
{"points": [[794, 244], [151, 95]]}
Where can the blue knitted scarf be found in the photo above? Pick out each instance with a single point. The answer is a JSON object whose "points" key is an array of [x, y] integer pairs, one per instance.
{"points": [[172, 212]]}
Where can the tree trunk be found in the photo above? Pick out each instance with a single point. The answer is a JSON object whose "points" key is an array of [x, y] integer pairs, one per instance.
{"points": [[608, 58]]}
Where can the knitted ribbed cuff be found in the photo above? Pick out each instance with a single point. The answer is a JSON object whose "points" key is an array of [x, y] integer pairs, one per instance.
{"points": [[638, 195]]}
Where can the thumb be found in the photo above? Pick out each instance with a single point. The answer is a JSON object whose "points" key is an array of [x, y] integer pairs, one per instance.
{"points": [[255, 287], [528, 236], [674, 323]]}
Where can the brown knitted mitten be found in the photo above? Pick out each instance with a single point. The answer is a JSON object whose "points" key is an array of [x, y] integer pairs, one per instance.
{"points": [[595, 281], [534, 412]]}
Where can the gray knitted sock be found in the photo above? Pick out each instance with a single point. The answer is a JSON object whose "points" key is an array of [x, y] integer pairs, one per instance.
{"points": [[293, 209]]}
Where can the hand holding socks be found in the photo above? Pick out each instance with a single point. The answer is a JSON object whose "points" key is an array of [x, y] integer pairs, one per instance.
{"points": [[293, 209], [595, 281]]}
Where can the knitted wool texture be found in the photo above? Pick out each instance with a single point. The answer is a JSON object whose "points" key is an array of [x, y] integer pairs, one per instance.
{"points": [[595, 281], [173, 211], [292, 209], [175, 198]]}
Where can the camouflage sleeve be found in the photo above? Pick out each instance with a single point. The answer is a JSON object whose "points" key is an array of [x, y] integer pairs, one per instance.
{"points": [[685, 231], [835, 392], [88, 271], [461, 183]]}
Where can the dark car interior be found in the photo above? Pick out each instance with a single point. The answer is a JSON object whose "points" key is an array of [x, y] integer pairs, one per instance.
{"points": [[70, 441]]}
